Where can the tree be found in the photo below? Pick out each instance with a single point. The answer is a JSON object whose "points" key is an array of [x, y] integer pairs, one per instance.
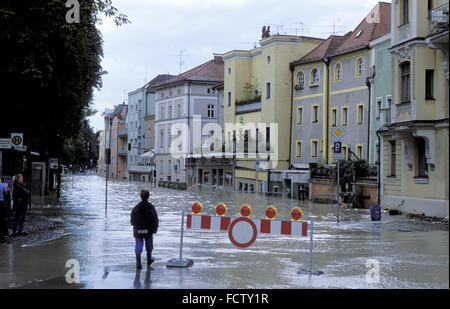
{"points": [[49, 69]]}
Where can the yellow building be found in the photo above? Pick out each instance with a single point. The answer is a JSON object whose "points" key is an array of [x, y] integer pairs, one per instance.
{"points": [[415, 148], [257, 104]]}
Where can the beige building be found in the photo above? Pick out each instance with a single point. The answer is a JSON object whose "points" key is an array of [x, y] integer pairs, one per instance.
{"points": [[415, 160], [257, 109], [101, 154]]}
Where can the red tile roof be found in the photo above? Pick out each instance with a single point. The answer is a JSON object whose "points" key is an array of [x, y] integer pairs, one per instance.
{"points": [[323, 50], [208, 71], [376, 24]]}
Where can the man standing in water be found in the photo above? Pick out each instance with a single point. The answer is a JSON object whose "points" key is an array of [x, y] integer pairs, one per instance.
{"points": [[144, 220]]}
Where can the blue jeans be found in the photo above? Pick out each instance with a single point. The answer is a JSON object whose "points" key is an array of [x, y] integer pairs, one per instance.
{"points": [[140, 244], [19, 221]]}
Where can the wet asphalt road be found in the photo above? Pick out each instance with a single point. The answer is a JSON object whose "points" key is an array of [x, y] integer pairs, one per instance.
{"points": [[407, 253]]}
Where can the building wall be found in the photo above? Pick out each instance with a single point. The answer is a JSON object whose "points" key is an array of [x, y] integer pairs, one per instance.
{"points": [[266, 64], [381, 91]]}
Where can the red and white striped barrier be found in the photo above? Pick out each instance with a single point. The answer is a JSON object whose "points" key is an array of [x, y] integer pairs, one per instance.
{"points": [[263, 226]]}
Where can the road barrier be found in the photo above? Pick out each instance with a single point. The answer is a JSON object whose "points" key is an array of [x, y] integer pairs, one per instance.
{"points": [[243, 230]]}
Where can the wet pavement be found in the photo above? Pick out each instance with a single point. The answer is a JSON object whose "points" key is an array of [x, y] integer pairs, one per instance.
{"points": [[407, 253]]}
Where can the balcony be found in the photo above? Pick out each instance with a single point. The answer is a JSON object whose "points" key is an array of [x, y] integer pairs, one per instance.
{"points": [[123, 132], [122, 152], [438, 20], [249, 106]]}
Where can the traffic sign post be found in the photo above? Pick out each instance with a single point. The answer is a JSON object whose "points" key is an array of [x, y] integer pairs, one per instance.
{"points": [[337, 154]]}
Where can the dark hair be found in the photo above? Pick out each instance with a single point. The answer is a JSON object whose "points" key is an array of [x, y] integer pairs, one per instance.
{"points": [[145, 195]]}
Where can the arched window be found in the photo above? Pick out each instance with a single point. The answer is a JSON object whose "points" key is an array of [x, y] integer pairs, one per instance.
{"points": [[315, 76], [360, 67], [301, 79], [338, 71]]}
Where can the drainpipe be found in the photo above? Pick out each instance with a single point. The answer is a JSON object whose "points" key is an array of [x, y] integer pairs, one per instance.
{"points": [[291, 135], [326, 60], [369, 85], [379, 167]]}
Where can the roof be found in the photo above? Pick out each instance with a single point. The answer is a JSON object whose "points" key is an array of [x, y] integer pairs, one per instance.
{"points": [[209, 71], [323, 50], [158, 79], [376, 24]]}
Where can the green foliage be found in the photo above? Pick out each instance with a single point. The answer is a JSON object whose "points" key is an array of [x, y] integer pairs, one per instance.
{"points": [[49, 69]]}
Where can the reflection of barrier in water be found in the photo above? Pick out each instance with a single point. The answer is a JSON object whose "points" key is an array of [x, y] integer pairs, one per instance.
{"points": [[243, 231]]}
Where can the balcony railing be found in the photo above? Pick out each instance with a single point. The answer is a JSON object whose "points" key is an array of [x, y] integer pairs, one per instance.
{"points": [[438, 19]]}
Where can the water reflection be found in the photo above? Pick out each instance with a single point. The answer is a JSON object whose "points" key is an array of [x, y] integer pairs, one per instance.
{"points": [[105, 247]]}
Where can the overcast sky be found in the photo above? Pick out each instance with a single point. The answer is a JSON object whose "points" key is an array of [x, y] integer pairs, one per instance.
{"points": [[135, 53]]}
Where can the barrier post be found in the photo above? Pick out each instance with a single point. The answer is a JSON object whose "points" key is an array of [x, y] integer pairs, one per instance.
{"points": [[180, 263], [310, 271]]}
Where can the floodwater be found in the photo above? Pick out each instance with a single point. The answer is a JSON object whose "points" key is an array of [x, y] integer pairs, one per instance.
{"points": [[397, 252]]}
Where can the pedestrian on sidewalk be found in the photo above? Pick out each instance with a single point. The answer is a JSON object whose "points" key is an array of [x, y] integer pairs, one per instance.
{"points": [[144, 220], [20, 205], [3, 224]]}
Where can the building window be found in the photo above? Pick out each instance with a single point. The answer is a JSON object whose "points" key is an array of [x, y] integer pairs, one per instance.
{"points": [[268, 59], [314, 148], [405, 85], [405, 11], [359, 151], [161, 166], [429, 84], [360, 67], [169, 167], [333, 117], [344, 119], [170, 93], [314, 77], [267, 90], [298, 149], [161, 139], [229, 71], [169, 139], [393, 157], [315, 114], [378, 110], [300, 115], [169, 111], [422, 167], [229, 99], [360, 114], [267, 138], [301, 79], [179, 91], [161, 111], [246, 141], [178, 110], [344, 152], [338, 72], [211, 110]]}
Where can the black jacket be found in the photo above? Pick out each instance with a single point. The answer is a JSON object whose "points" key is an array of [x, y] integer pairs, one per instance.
{"points": [[144, 217], [20, 197]]}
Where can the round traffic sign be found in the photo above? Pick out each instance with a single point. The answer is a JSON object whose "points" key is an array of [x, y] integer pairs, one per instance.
{"points": [[242, 232], [16, 140], [196, 208]]}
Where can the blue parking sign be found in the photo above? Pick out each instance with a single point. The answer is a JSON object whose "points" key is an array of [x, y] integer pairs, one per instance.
{"points": [[337, 147]]}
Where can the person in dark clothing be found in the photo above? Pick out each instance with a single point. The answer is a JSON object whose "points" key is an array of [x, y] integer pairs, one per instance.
{"points": [[144, 220], [3, 224], [20, 205]]}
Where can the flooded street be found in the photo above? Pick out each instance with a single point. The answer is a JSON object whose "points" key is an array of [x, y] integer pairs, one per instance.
{"points": [[410, 253]]}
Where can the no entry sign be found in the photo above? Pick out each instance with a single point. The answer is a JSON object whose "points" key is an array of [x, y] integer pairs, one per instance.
{"points": [[242, 232]]}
